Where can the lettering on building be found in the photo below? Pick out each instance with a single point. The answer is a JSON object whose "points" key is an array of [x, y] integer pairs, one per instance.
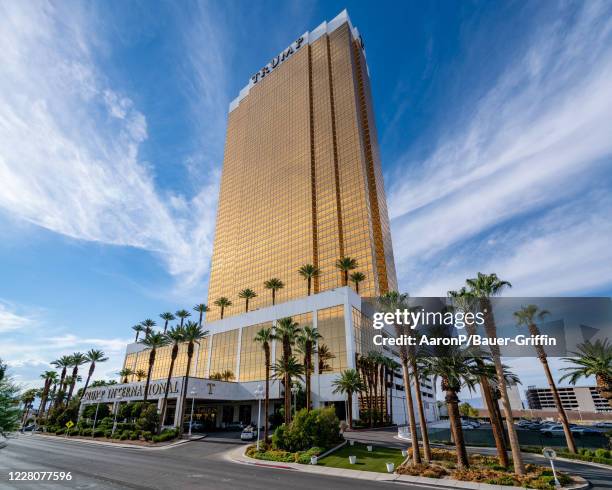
{"points": [[277, 60], [110, 393]]}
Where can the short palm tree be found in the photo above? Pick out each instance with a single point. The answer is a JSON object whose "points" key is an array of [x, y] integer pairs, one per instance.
{"points": [[527, 316], [592, 359], [287, 369], [27, 398], [125, 373], [201, 309], [287, 332], [356, 278], [77, 359], [152, 341], [309, 272], [348, 383], [324, 354], [274, 285], [265, 336], [484, 286], [227, 375], [50, 378], [167, 317], [174, 336], [307, 341], [192, 334], [148, 325], [64, 363], [223, 303], [140, 375], [138, 329], [346, 264], [247, 294], [182, 314], [93, 356]]}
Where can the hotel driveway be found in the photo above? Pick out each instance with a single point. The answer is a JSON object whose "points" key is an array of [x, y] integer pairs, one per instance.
{"points": [[197, 464]]}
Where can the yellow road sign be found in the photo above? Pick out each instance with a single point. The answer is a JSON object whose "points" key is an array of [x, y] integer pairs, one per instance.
{"points": [[69, 424]]}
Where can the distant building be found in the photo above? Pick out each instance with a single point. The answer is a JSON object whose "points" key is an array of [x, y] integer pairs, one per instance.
{"points": [[583, 398], [515, 398]]}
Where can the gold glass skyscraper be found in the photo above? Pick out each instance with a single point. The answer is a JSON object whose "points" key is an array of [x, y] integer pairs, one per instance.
{"points": [[302, 180]]}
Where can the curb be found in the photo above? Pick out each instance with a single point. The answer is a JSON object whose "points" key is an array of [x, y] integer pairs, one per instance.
{"points": [[93, 442]]}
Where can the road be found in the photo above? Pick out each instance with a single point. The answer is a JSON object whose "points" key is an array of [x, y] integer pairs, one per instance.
{"points": [[197, 464]]}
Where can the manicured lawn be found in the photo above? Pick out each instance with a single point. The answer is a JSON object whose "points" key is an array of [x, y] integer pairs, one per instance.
{"points": [[366, 461]]}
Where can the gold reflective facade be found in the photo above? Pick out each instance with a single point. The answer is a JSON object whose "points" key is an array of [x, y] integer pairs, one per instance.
{"points": [[302, 180]]}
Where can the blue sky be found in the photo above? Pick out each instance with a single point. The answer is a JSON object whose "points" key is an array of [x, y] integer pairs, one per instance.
{"points": [[494, 122]]}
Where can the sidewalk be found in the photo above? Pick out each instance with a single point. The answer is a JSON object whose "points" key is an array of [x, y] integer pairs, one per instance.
{"points": [[94, 442], [238, 456]]}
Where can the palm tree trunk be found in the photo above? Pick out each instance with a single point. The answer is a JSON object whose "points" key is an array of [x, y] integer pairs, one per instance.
{"points": [[345, 276], [273, 297], [422, 421], [151, 362], [309, 285], [349, 409], [75, 373], [91, 371], [496, 421], [267, 399], [308, 362], [452, 403], [167, 389], [391, 395], [190, 348], [410, 409]]}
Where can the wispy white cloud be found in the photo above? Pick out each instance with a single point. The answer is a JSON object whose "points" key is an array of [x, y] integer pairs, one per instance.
{"points": [[536, 139], [70, 144], [13, 320]]}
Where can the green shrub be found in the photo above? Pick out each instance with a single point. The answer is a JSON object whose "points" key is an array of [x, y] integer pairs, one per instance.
{"points": [[147, 435], [149, 418], [166, 435], [60, 431], [317, 428], [86, 432], [304, 457], [107, 433], [89, 412], [98, 432], [124, 437], [602, 453], [133, 436]]}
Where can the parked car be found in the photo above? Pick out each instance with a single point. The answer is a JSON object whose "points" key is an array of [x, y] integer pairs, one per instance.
{"points": [[603, 426], [248, 434], [30, 428], [552, 430], [467, 425], [584, 431]]}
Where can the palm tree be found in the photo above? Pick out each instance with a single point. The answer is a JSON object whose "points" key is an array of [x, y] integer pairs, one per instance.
{"points": [[356, 278], [247, 294], [167, 317], [287, 369], [287, 332], [306, 342], [347, 383], [175, 337], [77, 359], [390, 302], [455, 367], [124, 373], [464, 301], [324, 355], [152, 341], [309, 272], [148, 324], [93, 356], [391, 366], [201, 309], [140, 375], [412, 356], [138, 329], [265, 336], [227, 375], [483, 286], [527, 316], [223, 303], [182, 314], [192, 334], [64, 363], [274, 285], [346, 264], [27, 398], [592, 359], [50, 377]]}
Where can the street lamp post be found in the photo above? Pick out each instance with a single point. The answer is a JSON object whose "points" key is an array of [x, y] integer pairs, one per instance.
{"points": [[95, 420], [117, 403], [294, 390], [193, 394], [258, 393]]}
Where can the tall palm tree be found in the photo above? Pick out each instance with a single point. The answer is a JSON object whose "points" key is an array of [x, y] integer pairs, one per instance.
{"points": [[124, 373], [287, 332], [174, 336], [483, 286], [592, 359], [416, 377], [287, 369], [392, 367], [527, 316], [390, 302], [201, 309], [167, 317], [309, 272], [192, 334], [464, 301], [274, 285], [152, 341], [27, 398], [182, 314], [247, 294], [356, 278], [306, 341], [346, 264], [140, 375], [93, 356], [348, 383], [455, 367], [64, 363], [223, 303], [138, 329], [50, 377], [148, 325], [265, 336], [77, 359]]}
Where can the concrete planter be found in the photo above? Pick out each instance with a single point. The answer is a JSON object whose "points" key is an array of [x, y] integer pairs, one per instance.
{"points": [[313, 460], [352, 443], [352, 459], [369, 449], [404, 452], [390, 467]]}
